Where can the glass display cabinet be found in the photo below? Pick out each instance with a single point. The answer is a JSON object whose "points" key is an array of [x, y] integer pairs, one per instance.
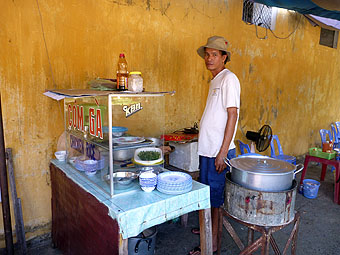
{"points": [[103, 134]]}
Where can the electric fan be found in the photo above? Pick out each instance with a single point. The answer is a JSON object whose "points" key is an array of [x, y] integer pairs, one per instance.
{"points": [[262, 138]]}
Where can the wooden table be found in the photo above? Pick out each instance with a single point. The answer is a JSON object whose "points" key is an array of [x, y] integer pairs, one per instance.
{"points": [[325, 163], [81, 224]]}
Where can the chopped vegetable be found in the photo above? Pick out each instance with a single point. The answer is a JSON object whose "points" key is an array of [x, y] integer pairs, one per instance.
{"points": [[149, 155]]}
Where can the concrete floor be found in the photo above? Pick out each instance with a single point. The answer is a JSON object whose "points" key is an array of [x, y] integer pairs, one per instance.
{"points": [[319, 231]]}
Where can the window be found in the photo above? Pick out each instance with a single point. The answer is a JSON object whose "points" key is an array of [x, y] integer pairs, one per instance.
{"points": [[259, 14], [329, 38]]}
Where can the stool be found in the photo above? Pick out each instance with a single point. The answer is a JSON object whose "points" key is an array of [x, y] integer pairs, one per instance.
{"points": [[324, 162], [265, 239]]}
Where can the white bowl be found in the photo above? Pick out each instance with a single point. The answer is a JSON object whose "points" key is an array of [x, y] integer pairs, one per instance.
{"points": [[61, 155]]}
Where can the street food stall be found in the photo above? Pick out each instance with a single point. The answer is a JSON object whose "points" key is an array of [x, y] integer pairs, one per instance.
{"points": [[99, 197]]}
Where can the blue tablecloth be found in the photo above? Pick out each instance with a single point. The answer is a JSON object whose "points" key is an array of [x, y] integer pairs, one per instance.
{"points": [[136, 210]]}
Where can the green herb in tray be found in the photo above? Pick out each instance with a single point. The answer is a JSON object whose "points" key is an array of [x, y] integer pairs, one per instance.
{"points": [[149, 155]]}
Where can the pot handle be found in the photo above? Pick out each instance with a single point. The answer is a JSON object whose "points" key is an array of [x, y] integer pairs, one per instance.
{"points": [[227, 162], [299, 168]]}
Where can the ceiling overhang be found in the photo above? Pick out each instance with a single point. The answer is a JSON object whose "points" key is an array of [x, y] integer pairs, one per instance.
{"points": [[323, 8]]}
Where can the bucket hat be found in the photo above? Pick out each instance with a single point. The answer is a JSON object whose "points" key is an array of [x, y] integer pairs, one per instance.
{"points": [[215, 42]]}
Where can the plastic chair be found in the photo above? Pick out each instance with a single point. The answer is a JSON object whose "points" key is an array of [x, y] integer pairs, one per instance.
{"points": [[323, 135], [244, 148], [281, 156], [335, 136], [337, 125]]}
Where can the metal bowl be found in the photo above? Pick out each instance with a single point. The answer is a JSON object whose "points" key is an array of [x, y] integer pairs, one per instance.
{"points": [[155, 141], [123, 154], [122, 178]]}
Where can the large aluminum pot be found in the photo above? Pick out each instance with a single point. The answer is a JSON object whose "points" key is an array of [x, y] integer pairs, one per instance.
{"points": [[263, 173]]}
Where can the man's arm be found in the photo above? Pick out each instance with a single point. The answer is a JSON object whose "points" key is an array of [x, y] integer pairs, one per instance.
{"points": [[228, 135]]}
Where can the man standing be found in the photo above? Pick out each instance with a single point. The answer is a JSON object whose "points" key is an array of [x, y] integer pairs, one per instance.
{"points": [[218, 125]]}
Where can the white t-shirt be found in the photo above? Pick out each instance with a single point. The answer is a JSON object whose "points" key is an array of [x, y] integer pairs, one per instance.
{"points": [[224, 92]]}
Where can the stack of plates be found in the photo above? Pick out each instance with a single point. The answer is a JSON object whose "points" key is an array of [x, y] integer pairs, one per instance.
{"points": [[174, 183]]}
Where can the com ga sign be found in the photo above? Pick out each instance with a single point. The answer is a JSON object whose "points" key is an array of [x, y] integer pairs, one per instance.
{"points": [[75, 119]]}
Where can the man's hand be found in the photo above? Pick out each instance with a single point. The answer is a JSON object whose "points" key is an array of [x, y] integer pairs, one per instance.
{"points": [[219, 162]]}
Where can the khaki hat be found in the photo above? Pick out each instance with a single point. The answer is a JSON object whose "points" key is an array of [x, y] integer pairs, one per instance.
{"points": [[215, 42]]}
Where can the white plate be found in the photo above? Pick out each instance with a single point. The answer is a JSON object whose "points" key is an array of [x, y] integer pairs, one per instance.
{"points": [[174, 192], [172, 178], [128, 140]]}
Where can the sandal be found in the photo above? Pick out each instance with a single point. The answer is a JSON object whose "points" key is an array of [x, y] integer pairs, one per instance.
{"points": [[198, 249], [195, 231], [195, 250]]}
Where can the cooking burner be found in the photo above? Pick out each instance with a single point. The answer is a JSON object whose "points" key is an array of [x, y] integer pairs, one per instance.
{"points": [[260, 207]]}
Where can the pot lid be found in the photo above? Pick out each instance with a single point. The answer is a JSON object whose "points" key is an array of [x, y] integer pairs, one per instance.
{"points": [[262, 165]]}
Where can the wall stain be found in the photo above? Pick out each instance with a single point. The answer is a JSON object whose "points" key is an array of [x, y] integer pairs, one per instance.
{"points": [[275, 112], [261, 112], [251, 68]]}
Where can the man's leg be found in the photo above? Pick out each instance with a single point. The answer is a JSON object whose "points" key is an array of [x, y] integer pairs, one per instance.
{"points": [[215, 224]]}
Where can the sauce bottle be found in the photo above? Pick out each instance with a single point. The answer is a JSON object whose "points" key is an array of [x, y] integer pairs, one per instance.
{"points": [[122, 73]]}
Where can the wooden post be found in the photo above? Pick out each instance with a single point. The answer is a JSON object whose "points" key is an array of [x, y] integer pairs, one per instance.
{"points": [[123, 245], [206, 231], [6, 213], [19, 222]]}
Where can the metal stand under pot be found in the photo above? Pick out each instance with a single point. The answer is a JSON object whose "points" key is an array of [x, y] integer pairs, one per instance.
{"points": [[261, 211]]}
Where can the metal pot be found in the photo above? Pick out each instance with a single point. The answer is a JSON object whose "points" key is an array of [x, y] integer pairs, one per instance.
{"points": [[263, 173], [123, 153]]}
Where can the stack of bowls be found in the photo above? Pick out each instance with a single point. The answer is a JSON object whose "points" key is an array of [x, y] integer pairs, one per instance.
{"points": [[148, 181], [90, 166], [174, 183], [61, 155]]}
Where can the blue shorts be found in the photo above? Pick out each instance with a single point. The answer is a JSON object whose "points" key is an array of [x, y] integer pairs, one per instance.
{"points": [[216, 181]]}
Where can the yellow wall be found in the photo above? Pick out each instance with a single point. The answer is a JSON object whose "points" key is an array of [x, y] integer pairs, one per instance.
{"points": [[291, 84]]}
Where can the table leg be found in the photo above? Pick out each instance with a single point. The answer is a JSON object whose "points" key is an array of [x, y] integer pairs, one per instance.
{"points": [[337, 184], [220, 230], [323, 172], [123, 245], [266, 242], [205, 231], [296, 227], [184, 220]]}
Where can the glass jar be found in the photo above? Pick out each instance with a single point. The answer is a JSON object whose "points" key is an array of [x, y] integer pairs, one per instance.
{"points": [[135, 82]]}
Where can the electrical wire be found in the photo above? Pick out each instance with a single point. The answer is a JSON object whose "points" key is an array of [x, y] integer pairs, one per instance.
{"points": [[48, 56]]}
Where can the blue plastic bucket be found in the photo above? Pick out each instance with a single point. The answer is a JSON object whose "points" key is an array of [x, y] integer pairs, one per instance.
{"points": [[310, 188]]}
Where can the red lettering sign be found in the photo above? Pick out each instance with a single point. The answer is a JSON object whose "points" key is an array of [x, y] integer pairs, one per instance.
{"points": [[80, 118], [69, 116], [74, 117], [99, 132], [92, 121]]}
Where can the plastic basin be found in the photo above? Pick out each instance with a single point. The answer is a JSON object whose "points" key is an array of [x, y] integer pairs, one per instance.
{"points": [[310, 188]]}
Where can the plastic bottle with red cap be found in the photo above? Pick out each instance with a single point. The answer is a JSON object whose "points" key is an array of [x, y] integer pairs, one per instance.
{"points": [[122, 73]]}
